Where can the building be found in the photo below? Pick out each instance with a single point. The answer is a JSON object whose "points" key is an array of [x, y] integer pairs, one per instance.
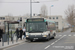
{"points": [[11, 26], [59, 21], [2, 19]]}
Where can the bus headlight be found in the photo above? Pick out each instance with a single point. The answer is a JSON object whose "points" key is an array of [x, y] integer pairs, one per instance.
{"points": [[27, 36], [44, 35], [27, 33]]}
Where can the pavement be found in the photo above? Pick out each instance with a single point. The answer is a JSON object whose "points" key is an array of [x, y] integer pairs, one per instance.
{"points": [[63, 41]]}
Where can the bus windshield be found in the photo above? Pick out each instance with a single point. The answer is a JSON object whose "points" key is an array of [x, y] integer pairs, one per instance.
{"points": [[36, 27]]}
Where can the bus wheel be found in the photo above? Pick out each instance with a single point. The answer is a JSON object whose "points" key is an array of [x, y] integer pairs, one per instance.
{"points": [[48, 38], [54, 36], [31, 40]]}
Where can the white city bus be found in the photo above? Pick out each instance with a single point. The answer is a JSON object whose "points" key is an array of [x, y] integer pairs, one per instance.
{"points": [[40, 28]]}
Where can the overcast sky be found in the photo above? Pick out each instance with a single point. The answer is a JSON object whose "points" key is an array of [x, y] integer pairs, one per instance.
{"points": [[17, 9]]}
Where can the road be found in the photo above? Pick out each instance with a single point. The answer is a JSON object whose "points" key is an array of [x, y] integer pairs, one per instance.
{"points": [[63, 41]]}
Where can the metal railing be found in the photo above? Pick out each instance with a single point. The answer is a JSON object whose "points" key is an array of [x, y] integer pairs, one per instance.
{"points": [[10, 39]]}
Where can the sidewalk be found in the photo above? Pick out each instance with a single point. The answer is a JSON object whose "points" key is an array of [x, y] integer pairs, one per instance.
{"points": [[10, 43]]}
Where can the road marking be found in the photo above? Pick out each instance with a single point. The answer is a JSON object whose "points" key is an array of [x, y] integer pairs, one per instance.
{"points": [[47, 46], [65, 35], [53, 42], [56, 35], [73, 35], [69, 42], [60, 35], [69, 35]]}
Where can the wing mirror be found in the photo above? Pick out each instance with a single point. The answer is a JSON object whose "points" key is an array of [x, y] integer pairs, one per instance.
{"points": [[46, 23]]}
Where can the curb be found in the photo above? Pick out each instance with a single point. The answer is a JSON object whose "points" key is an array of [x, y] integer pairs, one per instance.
{"points": [[11, 45]]}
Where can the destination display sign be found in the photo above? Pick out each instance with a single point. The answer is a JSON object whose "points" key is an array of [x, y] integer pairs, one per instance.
{"points": [[35, 20]]}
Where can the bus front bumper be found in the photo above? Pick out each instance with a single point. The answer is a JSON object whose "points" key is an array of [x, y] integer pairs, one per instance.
{"points": [[36, 37]]}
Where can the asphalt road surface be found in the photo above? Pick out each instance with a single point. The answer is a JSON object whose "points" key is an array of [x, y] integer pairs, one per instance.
{"points": [[63, 41]]}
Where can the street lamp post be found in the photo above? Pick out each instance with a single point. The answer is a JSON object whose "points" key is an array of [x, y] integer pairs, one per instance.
{"points": [[31, 7], [50, 9]]}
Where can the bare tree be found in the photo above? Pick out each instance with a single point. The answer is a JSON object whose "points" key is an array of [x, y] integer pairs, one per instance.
{"points": [[70, 13], [44, 11]]}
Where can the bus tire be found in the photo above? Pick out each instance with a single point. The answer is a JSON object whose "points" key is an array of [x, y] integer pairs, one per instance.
{"points": [[54, 36], [31, 40], [48, 38]]}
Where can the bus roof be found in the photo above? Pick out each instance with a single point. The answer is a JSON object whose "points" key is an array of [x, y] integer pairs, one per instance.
{"points": [[45, 20], [49, 21]]}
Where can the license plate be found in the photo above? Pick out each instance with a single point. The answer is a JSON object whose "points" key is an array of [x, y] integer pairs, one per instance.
{"points": [[35, 38]]}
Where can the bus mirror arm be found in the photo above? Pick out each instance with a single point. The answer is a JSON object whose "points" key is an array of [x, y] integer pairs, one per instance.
{"points": [[46, 23]]}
